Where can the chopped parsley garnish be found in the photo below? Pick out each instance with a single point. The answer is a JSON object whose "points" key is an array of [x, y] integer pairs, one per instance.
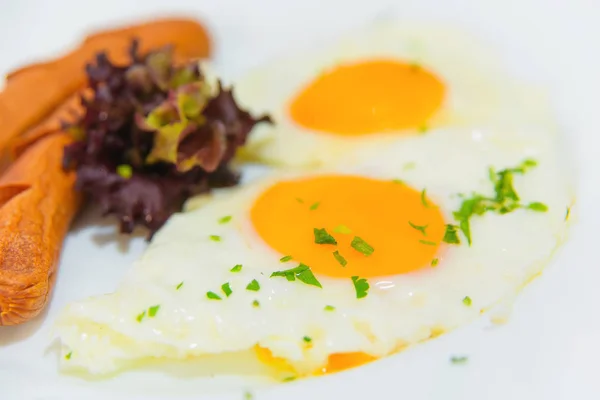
{"points": [[225, 219], [343, 229], [329, 308], [215, 238], [427, 242], [68, 356], [409, 165], [179, 286], [537, 206], [314, 206], [153, 310], [307, 339], [236, 268], [459, 359], [361, 286], [492, 174], [398, 181], [322, 237], [255, 303], [504, 186], [302, 272], [340, 258], [141, 316], [434, 262], [505, 199], [226, 289], [285, 259], [254, 286], [289, 379], [423, 128], [475, 205], [299, 200], [424, 198], [451, 234], [567, 213], [467, 301], [248, 396], [360, 245], [420, 228], [213, 296], [124, 171]]}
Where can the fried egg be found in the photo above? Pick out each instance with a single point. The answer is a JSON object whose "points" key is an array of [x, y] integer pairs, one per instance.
{"points": [[315, 272], [388, 82]]}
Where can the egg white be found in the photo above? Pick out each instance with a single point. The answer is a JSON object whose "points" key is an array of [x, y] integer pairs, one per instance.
{"points": [[480, 92], [102, 334]]}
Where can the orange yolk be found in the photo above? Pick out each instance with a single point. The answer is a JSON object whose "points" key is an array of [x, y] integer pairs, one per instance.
{"points": [[378, 212], [369, 97], [336, 362], [342, 361]]}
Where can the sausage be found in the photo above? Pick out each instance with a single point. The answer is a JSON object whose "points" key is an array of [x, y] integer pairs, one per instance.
{"points": [[37, 197]]}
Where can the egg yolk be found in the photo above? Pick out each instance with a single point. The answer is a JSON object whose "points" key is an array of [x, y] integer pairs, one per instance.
{"points": [[337, 362], [369, 97], [401, 225]]}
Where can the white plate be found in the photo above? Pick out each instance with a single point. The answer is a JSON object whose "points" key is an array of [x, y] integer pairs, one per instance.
{"points": [[550, 347]]}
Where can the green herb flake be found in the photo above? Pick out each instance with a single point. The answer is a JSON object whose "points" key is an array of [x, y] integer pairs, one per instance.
{"points": [[226, 288], [360, 245], [340, 258], [322, 237], [475, 205], [289, 379], [409, 165], [467, 301], [434, 262], [153, 310], [451, 234], [248, 396], [492, 175], [302, 272], [504, 187], [567, 213], [141, 316], [361, 286], [124, 171], [420, 228], [215, 238], [253, 286], [236, 268], [329, 308], [307, 339], [225, 219], [213, 296], [505, 200], [427, 242], [255, 304], [537, 206], [424, 198], [528, 163], [299, 200], [398, 181], [459, 359], [314, 206], [179, 286], [343, 229], [285, 259], [423, 128], [68, 356]]}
